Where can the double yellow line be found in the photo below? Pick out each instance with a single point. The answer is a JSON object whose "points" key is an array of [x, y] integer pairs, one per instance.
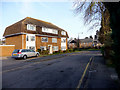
{"points": [[80, 81]]}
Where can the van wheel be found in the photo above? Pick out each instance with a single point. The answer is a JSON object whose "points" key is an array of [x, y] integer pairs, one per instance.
{"points": [[37, 55], [24, 57]]}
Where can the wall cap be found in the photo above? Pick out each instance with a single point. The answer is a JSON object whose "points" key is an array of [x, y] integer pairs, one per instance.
{"points": [[7, 45]]}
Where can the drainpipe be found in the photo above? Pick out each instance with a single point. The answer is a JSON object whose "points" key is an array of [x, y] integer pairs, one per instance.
{"points": [[23, 41]]}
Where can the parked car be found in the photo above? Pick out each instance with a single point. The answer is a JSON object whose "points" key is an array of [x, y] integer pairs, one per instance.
{"points": [[24, 53]]}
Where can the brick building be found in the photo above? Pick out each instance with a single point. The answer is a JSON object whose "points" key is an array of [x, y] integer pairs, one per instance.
{"points": [[31, 33], [83, 43]]}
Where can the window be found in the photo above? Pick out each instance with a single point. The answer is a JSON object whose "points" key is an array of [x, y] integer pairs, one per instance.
{"points": [[27, 38], [23, 50], [32, 38], [63, 33], [63, 48], [48, 30], [31, 27], [31, 47], [32, 50], [44, 29], [63, 40], [54, 40], [55, 48], [54, 31], [43, 48], [16, 51], [44, 39]]}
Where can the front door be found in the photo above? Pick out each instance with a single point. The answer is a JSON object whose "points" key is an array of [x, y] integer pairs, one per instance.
{"points": [[50, 49]]}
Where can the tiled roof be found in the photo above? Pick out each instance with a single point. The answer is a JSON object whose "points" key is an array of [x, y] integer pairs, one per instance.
{"points": [[18, 27], [88, 40], [82, 40]]}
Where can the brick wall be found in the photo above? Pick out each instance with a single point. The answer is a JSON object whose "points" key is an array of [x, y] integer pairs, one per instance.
{"points": [[40, 43], [86, 45], [17, 41], [6, 50]]}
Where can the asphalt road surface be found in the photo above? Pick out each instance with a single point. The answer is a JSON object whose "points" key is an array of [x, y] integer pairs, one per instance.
{"points": [[55, 71]]}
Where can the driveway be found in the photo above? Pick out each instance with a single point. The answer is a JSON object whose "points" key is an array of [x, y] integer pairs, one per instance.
{"points": [[56, 71]]}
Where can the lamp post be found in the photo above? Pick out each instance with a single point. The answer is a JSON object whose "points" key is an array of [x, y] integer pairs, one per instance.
{"points": [[78, 38]]}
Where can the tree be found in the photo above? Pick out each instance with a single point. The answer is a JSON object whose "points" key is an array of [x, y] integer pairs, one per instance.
{"points": [[112, 11], [91, 37], [93, 11], [86, 37]]}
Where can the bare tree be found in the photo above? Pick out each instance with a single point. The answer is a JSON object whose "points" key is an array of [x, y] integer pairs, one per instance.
{"points": [[93, 11]]}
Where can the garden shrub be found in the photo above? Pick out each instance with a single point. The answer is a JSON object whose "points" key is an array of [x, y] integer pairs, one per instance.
{"points": [[60, 51], [44, 52]]}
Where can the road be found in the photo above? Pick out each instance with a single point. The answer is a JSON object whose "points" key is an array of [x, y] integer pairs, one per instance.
{"points": [[55, 71]]}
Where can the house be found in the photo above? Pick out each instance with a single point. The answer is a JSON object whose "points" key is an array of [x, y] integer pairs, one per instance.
{"points": [[83, 43], [86, 43], [73, 44], [2, 41], [31, 33]]}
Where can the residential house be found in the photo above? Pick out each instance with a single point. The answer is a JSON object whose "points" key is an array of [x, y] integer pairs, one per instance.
{"points": [[2, 41], [86, 43], [31, 33], [73, 44], [83, 43]]}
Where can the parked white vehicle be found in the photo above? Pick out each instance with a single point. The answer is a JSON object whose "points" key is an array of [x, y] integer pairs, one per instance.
{"points": [[24, 53]]}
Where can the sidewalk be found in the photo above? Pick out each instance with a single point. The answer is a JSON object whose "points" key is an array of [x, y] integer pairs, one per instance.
{"points": [[101, 76], [5, 57]]}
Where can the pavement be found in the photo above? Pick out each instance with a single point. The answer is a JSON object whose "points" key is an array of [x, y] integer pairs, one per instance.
{"points": [[101, 76], [59, 71]]}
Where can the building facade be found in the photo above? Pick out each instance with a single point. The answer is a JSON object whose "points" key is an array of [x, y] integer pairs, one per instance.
{"points": [[83, 43], [31, 33]]}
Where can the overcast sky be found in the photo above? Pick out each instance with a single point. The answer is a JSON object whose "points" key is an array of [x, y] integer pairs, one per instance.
{"points": [[59, 13]]}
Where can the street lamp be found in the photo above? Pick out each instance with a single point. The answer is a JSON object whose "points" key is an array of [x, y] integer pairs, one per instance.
{"points": [[78, 38]]}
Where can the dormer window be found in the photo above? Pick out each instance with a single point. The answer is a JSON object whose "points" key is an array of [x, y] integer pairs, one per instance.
{"points": [[55, 31], [49, 30], [31, 27], [63, 32]]}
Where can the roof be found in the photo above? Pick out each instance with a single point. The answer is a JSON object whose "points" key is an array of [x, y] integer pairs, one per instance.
{"points": [[88, 40], [18, 27], [73, 41], [29, 20]]}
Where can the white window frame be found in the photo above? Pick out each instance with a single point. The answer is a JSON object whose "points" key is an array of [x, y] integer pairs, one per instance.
{"points": [[31, 27], [63, 33], [55, 48], [31, 47], [63, 40], [63, 48], [54, 31], [31, 38], [54, 40], [44, 37], [49, 30]]}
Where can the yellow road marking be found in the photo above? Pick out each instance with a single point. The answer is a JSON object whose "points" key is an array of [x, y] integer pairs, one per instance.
{"points": [[80, 81]]}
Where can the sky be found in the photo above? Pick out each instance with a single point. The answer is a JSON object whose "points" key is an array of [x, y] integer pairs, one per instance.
{"points": [[60, 13]]}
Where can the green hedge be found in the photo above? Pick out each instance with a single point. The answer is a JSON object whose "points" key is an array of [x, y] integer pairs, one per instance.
{"points": [[44, 52]]}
